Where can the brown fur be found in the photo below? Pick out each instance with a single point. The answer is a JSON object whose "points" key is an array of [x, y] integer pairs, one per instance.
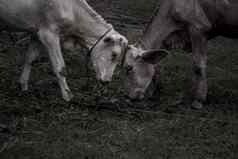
{"points": [[196, 20]]}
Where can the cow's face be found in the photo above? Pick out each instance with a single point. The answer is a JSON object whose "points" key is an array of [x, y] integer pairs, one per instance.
{"points": [[107, 54], [139, 65]]}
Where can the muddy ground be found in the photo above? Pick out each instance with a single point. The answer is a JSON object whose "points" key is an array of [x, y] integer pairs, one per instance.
{"points": [[100, 122]]}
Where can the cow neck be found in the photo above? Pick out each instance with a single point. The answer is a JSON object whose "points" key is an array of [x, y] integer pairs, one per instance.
{"points": [[95, 44], [142, 45], [91, 26]]}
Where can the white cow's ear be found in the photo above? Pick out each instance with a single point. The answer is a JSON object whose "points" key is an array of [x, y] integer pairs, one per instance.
{"points": [[154, 56]]}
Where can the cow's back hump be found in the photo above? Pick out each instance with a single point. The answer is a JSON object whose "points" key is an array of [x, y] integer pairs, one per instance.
{"points": [[26, 15]]}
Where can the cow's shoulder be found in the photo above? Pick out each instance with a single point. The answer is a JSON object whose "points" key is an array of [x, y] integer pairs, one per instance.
{"points": [[190, 12]]}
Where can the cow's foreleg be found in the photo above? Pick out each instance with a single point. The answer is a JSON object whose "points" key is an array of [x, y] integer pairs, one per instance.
{"points": [[30, 57], [199, 46], [51, 41]]}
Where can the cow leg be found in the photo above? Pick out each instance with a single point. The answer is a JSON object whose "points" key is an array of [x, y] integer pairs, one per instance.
{"points": [[199, 46], [51, 41], [30, 57]]}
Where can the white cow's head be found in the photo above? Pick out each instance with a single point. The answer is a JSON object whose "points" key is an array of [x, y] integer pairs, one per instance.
{"points": [[139, 65], [107, 54]]}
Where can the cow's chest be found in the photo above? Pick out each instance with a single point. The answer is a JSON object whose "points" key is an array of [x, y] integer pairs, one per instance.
{"points": [[226, 30], [226, 23]]}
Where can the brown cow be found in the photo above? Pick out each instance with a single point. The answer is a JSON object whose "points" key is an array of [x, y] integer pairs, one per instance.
{"points": [[177, 24]]}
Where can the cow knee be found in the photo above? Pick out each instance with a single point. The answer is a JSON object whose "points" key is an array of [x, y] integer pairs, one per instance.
{"points": [[60, 71], [30, 63], [63, 71], [197, 70]]}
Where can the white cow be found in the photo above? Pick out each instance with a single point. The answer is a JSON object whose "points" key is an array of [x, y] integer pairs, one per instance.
{"points": [[47, 19]]}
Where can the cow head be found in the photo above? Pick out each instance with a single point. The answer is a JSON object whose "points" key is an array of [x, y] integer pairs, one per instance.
{"points": [[107, 54], [139, 65]]}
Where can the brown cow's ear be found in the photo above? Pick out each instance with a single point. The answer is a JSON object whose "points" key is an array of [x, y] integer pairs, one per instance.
{"points": [[154, 56]]}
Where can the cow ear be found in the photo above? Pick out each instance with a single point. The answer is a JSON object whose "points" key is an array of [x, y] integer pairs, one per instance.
{"points": [[154, 56]]}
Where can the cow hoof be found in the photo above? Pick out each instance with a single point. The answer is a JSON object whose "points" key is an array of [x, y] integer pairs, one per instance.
{"points": [[68, 96], [197, 105], [23, 87]]}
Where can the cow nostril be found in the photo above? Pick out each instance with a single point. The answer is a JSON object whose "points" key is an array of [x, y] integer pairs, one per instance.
{"points": [[114, 56], [139, 95], [136, 96]]}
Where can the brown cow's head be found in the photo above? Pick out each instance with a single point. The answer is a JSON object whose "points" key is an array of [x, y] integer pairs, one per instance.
{"points": [[139, 65]]}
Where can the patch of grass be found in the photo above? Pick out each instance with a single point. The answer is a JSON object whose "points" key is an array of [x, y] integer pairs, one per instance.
{"points": [[101, 123]]}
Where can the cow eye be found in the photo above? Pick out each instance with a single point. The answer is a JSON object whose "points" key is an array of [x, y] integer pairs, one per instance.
{"points": [[108, 40]]}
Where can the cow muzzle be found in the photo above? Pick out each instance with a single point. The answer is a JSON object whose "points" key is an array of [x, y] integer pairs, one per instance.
{"points": [[137, 95]]}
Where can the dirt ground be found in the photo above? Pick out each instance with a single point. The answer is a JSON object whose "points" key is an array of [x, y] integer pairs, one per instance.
{"points": [[100, 122]]}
